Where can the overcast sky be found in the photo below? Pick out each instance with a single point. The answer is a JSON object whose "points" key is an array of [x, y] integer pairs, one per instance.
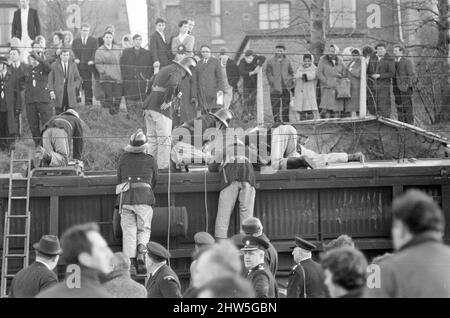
{"points": [[137, 15]]}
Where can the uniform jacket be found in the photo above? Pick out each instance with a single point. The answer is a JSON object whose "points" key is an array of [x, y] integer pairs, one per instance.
{"points": [[34, 25], [90, 287], [31, 281], [107, 62], [38, 93], [419, 270], [245, 69], [164, 284], [134, 166], [11, 103], [56, 83], [207, 121], [168, 78], [405, 74], [279, 74], [263, 282], [136, 65], [271, 256], [85, 53], [72, 126], [120, 285], [305, 91], [315, 287], [159, 50], [207, 79]]}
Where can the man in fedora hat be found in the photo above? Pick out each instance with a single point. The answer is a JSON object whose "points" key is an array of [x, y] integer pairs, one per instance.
{"points": [[35, 278], [159, 108], [137, 174], [259, 275], [307, 278], [56, 138], [162, 281]]}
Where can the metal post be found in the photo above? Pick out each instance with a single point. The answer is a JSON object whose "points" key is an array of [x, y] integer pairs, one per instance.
{"points": [[260, 98], [363, 90]]}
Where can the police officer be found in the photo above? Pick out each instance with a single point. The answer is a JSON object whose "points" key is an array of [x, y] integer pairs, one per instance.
{"points": [[307, 278], [162, 281], [37, 95], [259, 275], [253, 226]]}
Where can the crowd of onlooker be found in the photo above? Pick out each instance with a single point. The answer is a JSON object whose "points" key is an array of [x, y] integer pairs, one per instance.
{"points": [[245, 267]]}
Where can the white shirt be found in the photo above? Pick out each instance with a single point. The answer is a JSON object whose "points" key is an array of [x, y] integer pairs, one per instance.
{"points": [[24, 20], [162, 35], [157, 268], [65, 67]]}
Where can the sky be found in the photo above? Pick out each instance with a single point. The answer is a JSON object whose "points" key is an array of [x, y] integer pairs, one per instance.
{"points": [[137, 15]]}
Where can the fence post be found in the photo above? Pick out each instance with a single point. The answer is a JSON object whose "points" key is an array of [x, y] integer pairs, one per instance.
{"points": [[260, 98], [363, 91]]}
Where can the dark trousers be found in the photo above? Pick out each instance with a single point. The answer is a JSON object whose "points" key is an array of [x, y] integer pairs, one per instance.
{"points": [[249, 102], [38, 114], [280, 106], [4, 134], [113, 95], [403, 102], [379, 99], [86, 74]]}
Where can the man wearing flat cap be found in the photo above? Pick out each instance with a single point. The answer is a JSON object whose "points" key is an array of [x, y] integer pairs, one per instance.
{"points": [[259, 275], [307, 278], [35, 278], [253, 226], [162, 281]]}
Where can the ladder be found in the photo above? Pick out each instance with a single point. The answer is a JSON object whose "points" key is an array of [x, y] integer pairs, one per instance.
{"points": [[15, 221]]}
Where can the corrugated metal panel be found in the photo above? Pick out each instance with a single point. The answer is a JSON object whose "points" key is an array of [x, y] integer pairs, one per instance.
{"points": [[285, 213], [361, 212]]}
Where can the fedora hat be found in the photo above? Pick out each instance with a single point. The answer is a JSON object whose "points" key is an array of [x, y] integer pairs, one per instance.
{"points": [[48, 245], [138, 142]]}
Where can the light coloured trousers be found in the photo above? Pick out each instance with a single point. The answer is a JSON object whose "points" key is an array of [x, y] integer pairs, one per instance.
{"points": [[284, 146], [227, 97], [227, 200], [159, 135], [136, 221], [56, 142]]}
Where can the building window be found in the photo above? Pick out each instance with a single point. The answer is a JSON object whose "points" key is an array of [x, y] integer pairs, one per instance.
{"points": [[216, 18], [343, 14], [274, 15], [6, 17]]}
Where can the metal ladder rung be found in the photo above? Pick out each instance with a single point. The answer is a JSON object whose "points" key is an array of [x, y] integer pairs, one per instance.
{"points": [[20, 179], [20, 160], [19, 198], [9, 276], [15, 255], [16, 236], [17, 216]]}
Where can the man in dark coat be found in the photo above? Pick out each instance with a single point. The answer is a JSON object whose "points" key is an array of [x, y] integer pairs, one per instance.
{"points": [[162, 281], [37, 95], [306, 279], [160, 106], [33, 24], [84, 49], [137, 175], [248, 69], [56, 137], [159, 47], [259, 275], [39, 276], [253, 226], [17, 69], [89, 258], [380, 73], [230, 73], [420, 266], [405, 77], [9, 104], [136, 69]]}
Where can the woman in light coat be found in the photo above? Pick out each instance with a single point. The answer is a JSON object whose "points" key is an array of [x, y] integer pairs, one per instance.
{"points": [[305, 101], [183, 38], [354, 74], [330, 69]]}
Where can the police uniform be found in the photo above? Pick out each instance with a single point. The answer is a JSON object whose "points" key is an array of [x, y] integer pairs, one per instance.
{"points": [[306, 280], [260, 277], [163, 283]]}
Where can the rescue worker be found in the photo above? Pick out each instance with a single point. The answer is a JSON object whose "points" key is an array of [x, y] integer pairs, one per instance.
{"points": [[56, 138], [253, 227], [278, 147], [189, 139], [307, 278], [159, 108], [259, 275], [10, 105], [162, 281], [137, 175], [237, 180]]}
